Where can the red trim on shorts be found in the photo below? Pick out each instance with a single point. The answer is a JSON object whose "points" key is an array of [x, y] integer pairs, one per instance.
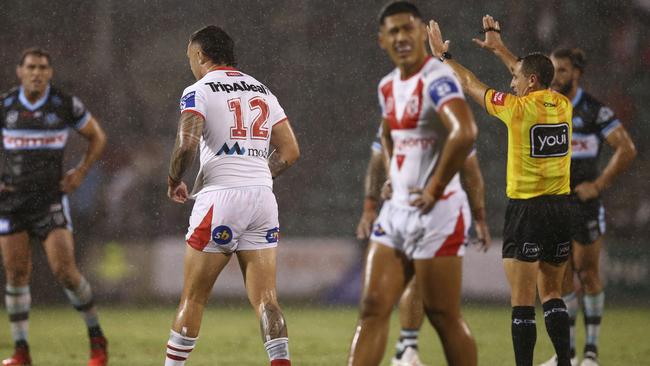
{"points": [[202, 233], [281, 362], [453, 242], [194, 112], [176, 358]]}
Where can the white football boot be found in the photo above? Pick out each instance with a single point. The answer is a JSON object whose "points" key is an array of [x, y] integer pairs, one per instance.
{"points": [[590, 360], [409, 358], [553, 362]]}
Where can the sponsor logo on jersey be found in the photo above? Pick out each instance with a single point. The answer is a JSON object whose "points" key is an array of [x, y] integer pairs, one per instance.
{"points": [[239, 150], [530, 250], [424, 143], [5, 226], [498, 98], [584, 146], [34, 139], [442, 88], [234, 87], [563, 249], [222, 235], [233, 73], [578, 122], [56, 101], [12, 118], [187, 101], [273, 235], [413, 106], [604, 114], [548, 140], [390, 105], [8, 101]]}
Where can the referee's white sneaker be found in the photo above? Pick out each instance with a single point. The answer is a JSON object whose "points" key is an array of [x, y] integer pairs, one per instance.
{"points": [[409, 358], [574, 362], [590, 360]]}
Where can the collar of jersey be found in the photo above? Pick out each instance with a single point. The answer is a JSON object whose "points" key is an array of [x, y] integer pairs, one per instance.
{"points": [[223, 68], [577, 97], [38, 104]]}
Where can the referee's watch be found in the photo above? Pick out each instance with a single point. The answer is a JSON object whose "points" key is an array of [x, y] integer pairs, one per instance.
{"points": [[445, 56]]}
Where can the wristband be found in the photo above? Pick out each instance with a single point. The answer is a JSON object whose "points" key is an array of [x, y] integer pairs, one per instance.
{"points": [[445, 56]]}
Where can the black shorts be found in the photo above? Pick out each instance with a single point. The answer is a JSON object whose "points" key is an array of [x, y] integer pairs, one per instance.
{"points": [[588, 221], [38, 213], [538, 229]]}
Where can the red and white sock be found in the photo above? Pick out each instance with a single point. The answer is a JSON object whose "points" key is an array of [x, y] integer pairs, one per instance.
{"points": [[178, 349], [278, 351]]}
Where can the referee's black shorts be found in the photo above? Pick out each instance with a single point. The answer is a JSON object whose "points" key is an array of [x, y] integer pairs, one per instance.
{"points": [[538, 228]]}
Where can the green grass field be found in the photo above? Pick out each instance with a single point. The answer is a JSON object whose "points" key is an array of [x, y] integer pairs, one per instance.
{"points": [[318, 336]]}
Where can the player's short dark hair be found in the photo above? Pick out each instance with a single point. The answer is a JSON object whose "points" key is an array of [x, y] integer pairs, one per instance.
{"points": [[34, 51], [216, 44], [540, 65], [398, 7], [576, 56]]}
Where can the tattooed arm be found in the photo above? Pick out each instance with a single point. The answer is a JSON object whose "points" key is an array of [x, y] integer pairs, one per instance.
{"points": [[188, 136], [286, 148], [375, 179]]}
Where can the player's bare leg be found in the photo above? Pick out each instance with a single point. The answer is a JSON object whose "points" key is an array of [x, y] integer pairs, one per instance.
{"points": [[587, 265], [199, 274], [411, 317], [17, 261], [386, 273], [258, 268], [440, 285], [59, 248]]}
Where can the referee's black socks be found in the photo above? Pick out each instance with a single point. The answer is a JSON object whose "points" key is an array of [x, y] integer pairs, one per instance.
{"points": [[524, 334], [556, 318]]}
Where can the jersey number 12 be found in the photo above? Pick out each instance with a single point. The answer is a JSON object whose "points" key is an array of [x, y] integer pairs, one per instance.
{"points": [[259, 129]]}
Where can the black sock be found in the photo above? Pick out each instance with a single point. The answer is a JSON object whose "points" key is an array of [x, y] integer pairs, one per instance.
{"points": [[21, 344], [95, 331], [524, 334], [556, 318]]}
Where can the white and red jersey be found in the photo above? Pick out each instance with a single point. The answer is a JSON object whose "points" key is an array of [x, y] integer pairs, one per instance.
{"points": [[410, 106], [239, 114]]}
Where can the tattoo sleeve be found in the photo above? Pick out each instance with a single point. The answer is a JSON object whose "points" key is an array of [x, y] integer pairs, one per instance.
{"points": [[277, 164], [375, 176], [188, 136]]}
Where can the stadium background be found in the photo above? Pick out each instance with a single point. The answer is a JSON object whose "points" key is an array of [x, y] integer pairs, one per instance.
{"points": [[126, 60]]}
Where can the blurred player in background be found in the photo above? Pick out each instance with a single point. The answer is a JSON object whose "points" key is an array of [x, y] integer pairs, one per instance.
{"points": [[593, 123], [411, 311], [537, 229], [36, 120], [234, 118], [427, 133]]}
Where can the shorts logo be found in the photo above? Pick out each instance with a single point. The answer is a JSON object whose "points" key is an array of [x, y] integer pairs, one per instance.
{"points": [[549, 140], [563, 249], [498, 98], [530, 250], [187, 101], [442, 88], [5, 226], [222, 235], [273, 235], [379, 231]]}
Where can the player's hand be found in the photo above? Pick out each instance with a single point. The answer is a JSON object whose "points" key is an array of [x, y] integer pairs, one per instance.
{"points": [[387, 191], [178, 193], [438, 47], [483, 238], [364, 228], [492, 30], [587, 191], [424, 201], [72, 180]]}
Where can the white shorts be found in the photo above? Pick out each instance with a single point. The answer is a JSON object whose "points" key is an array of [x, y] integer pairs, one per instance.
{"points": [[229, 220], [441, 232]]}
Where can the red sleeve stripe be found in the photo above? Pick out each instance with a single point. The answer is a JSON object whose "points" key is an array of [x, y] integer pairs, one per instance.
{"points": [[193, 111]]}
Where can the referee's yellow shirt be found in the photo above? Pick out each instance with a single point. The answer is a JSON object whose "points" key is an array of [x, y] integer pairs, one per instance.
{"points": [[539, 141]]}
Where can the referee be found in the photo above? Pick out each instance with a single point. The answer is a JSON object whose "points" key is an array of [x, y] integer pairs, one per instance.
{"points": [[537, 231]]}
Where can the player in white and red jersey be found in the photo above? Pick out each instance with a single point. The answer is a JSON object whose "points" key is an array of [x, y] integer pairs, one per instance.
{"points": [[428, 132], [236, 120]]}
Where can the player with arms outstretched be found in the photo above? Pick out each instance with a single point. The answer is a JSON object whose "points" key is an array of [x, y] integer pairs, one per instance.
{"points": [[235, 119], [36, 119], [428, 132]]}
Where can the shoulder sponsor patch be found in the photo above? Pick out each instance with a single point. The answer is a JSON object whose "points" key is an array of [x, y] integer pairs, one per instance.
{"points": [[498, 98], [441, 88], [187, 101]]}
